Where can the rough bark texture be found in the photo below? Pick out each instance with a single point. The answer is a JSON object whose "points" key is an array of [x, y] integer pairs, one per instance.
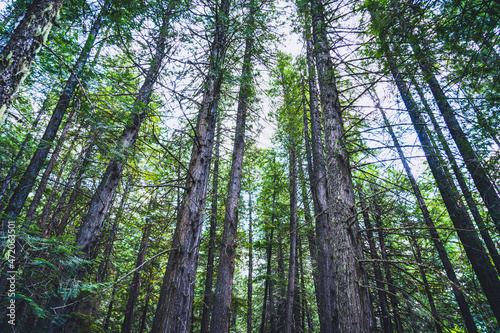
{"points": [[443, 256], [22, 47], [475, 251], [479, 174], [324, 252], [223, 287], [176, 296], [25, 185], [91, 224], [352, 299], [207, 298]]}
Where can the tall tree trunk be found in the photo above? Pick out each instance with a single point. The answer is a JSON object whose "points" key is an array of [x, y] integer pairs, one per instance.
{"points": [[443, 256], [479, 174], [91, 224], [25, 185], [135, 286], [23, 45], [490, 245], [385, 262], [30, 215], [351, 299], [268, 283], [146, 307], [177, 292], [417, 253], [289, 323], [472, 245], [207, 298], [250, 266], [379, 279], [4, 195], [223, 287], [327, 308], [79, 178]]}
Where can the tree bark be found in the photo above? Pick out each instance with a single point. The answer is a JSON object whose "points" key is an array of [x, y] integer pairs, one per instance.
{"points": [[481, 264], [490, 245], [177, 292], [351, 303], [480, 176], [22, 47], [250, 266], [223, 288], [207, 298], [289, 323], [327, 308], [443, 256], [379, 279], [25, 185]]}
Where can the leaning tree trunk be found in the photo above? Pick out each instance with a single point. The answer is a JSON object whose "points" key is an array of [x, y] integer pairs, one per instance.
{"points": [[417, 253], [90, 226], [483, 230], [479, 174], [352, 299], [473, 247], [177, 293], [23, 45], [221, 314], [207, 297], [443, 256], [25, 185]]}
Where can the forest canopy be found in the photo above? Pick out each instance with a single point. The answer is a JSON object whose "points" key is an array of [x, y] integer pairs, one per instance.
{"points": [[249, 166]]}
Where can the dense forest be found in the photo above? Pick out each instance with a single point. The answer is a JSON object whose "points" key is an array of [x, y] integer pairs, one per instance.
{"points": [[173, 166]]}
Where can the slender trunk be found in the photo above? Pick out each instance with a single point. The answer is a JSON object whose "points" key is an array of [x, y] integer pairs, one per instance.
{"points": [[250, 266], [223, 287], [177, 292], [289, 323], [67, 188], [472, 245], [379, 280], [207, 298], [388, 275], [91, 224], [25, 185], [30, 215], [418, 257], [490, 245], [79, 178], [479, 174], [145, 311], [327, 308], [351, 298], [110, 308], [268, 283], [443, 256], [135, 286], [55, 189], [4, 195], [23, 45]]}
